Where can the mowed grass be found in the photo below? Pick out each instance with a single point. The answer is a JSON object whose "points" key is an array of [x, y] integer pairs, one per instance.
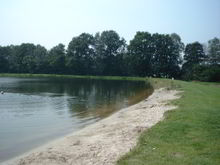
{"points": [[189, 135]]}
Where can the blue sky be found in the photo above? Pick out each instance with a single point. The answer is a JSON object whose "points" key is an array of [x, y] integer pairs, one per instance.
{"points": [[49, 22]]}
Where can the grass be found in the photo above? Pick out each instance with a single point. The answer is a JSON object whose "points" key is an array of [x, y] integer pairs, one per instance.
{"points": [[156, 83], [189, 135], [26, 75]]}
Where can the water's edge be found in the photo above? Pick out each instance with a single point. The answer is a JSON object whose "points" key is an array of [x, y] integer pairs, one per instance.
{"points": [[57, 140], [140, 96]]}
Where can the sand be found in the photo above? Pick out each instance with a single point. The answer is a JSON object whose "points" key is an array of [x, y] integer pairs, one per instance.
{"points": [[104, 142]]}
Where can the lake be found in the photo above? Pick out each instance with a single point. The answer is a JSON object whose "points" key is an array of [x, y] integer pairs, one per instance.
{"points": [[34, 111]]}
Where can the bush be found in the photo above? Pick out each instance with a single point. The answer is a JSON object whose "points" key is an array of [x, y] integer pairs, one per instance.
{"points": [[203, 73]]}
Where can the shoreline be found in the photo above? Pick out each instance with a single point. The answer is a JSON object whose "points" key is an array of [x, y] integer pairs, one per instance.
{"points": [[29, 75], [105, 141]]}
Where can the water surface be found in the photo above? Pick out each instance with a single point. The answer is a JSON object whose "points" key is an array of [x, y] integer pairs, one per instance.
{"points": [[36, 110]]}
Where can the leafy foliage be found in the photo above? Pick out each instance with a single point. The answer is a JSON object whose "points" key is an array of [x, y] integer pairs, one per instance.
{"points": [[57, 59], [140, 54], [108, 50], [80, 54], [155, 55], [214, 51], [106, 53]]}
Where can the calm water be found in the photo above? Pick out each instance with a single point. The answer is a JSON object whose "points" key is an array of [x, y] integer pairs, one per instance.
{"points": [[36, 110]]}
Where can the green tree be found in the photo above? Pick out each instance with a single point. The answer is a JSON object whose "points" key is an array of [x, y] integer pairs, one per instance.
{"points": [[214, 51], [108, 48], [140, 53], [194, 55], [166, 57], [4, 55], [177, 42], [24, 56], [27, 58], [80, 54], [41, 59], [12, 60], [179, 46], [155, 55], [57, 59]]}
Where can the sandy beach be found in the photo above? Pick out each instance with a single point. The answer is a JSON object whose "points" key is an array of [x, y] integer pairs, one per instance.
{"points": [[104, 142]]}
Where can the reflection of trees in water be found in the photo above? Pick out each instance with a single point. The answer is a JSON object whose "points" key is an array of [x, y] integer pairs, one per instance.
{"points": [[87, 97], [104, 97]]}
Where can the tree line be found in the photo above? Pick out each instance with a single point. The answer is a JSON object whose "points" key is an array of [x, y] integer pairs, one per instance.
{"points": [[106, 53]]}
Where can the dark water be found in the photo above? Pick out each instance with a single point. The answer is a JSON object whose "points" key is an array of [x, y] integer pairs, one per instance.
{"points": [[36, 110]]}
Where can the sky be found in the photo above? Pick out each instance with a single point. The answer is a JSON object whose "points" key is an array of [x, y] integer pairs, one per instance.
{"points": [[50, 22]]}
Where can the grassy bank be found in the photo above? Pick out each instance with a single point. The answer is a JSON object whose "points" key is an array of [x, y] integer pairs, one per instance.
{"points": [[26, 75], [189, 135], [156, 83]]}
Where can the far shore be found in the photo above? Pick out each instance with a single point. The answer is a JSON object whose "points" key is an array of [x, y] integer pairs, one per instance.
{"points": [[106, 141], [30, 75]]}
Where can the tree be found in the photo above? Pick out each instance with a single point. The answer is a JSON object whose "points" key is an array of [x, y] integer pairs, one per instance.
{"points": [[214, 51], [80, 54], [106, 53], [204, 72], [177, 42], [27, 58], [57, 59], [179, 46], [24, 56], [108, 46], [41, 59], [4, 55], [194, 55], [140, 53], [166, 57], [155, 55], [11, 57]]}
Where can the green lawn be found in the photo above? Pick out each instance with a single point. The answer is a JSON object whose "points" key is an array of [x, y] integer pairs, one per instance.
{"points": [[189, 135]]}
